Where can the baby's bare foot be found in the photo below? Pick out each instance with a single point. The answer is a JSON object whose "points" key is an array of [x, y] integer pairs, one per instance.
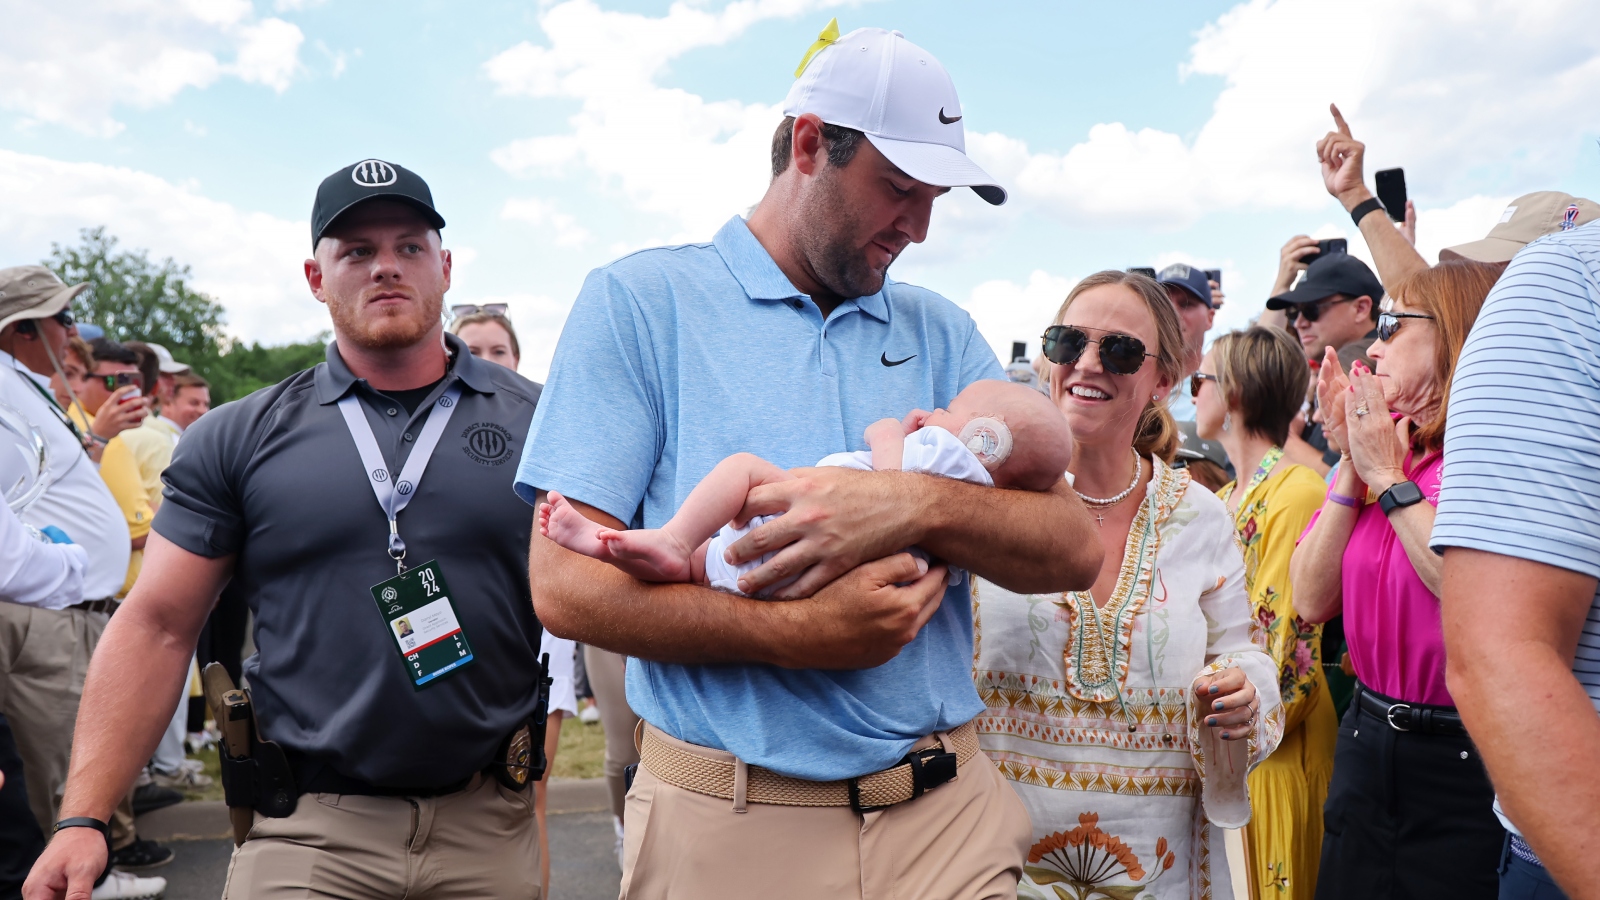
{"points": [[561, 522], [649, 554]]}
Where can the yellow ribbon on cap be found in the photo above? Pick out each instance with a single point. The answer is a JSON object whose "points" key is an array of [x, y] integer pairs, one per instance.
{"points": [[828, 36]]}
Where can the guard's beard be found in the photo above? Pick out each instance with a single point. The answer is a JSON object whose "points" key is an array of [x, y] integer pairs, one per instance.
{"points": [[394, 329]]}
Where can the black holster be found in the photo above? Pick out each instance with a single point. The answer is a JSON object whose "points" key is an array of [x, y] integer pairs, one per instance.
{"points": [[261, 781], [520, 761]]}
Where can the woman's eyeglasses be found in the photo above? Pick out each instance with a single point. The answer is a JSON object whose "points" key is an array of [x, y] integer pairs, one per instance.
{"points": [[1198, 379], [472, 309], [1312, 311], [1120, 354], [1389, 323]]}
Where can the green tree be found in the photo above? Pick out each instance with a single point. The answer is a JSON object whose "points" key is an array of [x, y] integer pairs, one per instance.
{"points": [[134, 298]]}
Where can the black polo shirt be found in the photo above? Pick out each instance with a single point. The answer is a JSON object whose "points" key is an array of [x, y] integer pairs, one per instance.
{"points": [[276, 479]]}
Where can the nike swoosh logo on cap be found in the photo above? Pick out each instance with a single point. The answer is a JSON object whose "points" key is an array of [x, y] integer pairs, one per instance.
{"points": [[946, 120], [885, 360]]}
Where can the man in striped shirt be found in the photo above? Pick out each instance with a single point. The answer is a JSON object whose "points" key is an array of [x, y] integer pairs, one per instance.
{"points": [[1519, 526]]}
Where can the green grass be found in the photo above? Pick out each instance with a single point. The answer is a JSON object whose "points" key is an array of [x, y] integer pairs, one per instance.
{"points": [[581, 754]]}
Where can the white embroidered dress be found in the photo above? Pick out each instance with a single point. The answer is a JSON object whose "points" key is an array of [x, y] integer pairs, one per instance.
{"points": [[1092, 717]]}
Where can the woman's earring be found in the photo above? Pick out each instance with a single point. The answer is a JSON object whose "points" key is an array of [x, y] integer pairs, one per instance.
{"points": [[1227, 421]]}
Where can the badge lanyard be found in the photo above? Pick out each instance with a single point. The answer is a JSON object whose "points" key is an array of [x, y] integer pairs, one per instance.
{"points": [[394, 494]]}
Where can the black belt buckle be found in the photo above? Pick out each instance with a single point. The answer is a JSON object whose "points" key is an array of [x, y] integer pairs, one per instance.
{"points": [[929, 769]]}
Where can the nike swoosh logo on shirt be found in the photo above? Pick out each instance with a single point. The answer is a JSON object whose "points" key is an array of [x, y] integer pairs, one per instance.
{"points": [[945, 120], [885, 360]]}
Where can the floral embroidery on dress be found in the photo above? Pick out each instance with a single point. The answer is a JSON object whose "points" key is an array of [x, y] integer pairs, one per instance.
{"points": [[1086, 861], [1097, 651], [1295, 641]]}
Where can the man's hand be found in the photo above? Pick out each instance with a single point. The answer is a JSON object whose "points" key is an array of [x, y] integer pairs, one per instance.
{"points": [[1291, 262], [1341, 156], [830, 520], [69, 866], [1217, 296], [865, 618], [119, 413]]}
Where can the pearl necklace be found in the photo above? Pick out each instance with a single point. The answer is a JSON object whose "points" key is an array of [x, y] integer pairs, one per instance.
{"points": [[1105, 502]]}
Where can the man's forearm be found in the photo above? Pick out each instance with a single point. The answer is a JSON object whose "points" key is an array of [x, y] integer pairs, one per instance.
{"points": [[134, 679], [1392, 255], [1024, 541]]}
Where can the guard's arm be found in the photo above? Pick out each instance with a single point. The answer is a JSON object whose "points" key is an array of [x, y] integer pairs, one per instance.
{"points": [[859, 621], [833, 519], [138, 667], [1511, 629]]}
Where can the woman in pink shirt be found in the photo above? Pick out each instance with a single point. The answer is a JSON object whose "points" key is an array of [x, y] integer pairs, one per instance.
{"points": [[1409, 810]]}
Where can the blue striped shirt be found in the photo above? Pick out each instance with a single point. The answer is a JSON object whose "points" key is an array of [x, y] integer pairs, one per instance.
{"points": [[1522, 450]]}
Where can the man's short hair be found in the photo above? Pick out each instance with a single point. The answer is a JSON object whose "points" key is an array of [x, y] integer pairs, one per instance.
{"points": [[107, 350], [842, 145], [188, 380]]}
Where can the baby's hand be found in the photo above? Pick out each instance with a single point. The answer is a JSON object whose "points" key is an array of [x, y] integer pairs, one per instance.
{"points": [[914, 421]]}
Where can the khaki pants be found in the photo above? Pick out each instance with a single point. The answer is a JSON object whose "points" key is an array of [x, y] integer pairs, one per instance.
{"points": [[44, 656], [963, 840], [606, 678], [479, 843]]}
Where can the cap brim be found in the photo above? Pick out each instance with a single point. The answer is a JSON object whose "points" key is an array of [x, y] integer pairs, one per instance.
{"points": [[1189, 290], [939, 165], [173, 368], [1488, 250], [430, 215], [1300, 296], [53, 304]]}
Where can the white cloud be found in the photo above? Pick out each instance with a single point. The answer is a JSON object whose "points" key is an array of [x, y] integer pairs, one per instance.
{"points": [[250, 262], [544, 213], [63, 64], [1007, 311], [1445, 88], [671, 153]]}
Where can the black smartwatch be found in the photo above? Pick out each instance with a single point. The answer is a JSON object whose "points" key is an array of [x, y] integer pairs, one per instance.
{"points": [[1402, 494], [1365, 208], [87, 822]]}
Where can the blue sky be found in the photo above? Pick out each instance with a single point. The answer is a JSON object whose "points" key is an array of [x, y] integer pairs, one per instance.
{"points": [[557, 136]]}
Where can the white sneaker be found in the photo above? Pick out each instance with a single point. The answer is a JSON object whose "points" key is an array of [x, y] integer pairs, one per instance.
{"points": [[618, 823], [123, 886], [589, 715], [187, 778]]}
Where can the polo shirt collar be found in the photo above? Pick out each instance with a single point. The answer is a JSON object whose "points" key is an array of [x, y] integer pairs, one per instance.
{"points": [[335, 379], [756, 271]]}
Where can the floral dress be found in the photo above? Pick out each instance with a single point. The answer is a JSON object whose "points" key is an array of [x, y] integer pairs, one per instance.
{"points": [[1284, 841], [1091, 712]]}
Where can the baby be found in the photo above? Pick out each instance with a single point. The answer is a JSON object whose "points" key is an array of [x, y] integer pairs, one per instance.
{"points": [[994, 433]]}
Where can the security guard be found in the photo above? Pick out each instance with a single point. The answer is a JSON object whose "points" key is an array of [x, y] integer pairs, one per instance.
{"points": [[364, 511]]}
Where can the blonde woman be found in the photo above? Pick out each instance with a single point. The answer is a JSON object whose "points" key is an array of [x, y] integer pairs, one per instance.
{"points": [[1248, 390], [1127, 716]]}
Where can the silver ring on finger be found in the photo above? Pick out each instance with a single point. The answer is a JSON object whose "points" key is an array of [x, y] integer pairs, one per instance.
{"points": [[1362, 411]]}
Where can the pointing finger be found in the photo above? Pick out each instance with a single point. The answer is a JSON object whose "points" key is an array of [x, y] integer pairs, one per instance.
{"points": [[1338, 119]]}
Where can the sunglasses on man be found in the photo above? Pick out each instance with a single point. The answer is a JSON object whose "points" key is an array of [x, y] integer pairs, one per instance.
{"points": [[1312, 311], [1389, 323], [472, 309], [117, 380], [1120, 354]]}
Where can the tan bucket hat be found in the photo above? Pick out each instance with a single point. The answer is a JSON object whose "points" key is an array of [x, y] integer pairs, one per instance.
{"points": [[33, 292], [1528, 217]]}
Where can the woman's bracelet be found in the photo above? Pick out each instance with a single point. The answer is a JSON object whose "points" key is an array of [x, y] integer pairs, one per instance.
{"points": [[1342, 500]]}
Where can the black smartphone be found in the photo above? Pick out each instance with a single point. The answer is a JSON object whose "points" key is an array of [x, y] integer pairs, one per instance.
{"points": [[1146, 271], [1216, 276], [1019, 351], [1391, 184], [1327, 247]]}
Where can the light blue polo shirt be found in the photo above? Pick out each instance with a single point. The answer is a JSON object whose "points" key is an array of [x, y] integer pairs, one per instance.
{"points": [[676, 358]]}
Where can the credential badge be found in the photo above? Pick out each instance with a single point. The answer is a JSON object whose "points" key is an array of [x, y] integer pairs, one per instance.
{"points": [[390, 594]]}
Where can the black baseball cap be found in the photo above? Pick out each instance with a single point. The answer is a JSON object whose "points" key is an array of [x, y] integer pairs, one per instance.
{"points": [[1339, 273], [369, 179]]}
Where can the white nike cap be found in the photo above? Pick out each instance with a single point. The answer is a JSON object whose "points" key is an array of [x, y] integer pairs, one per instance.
{"points": [[879, 83]]}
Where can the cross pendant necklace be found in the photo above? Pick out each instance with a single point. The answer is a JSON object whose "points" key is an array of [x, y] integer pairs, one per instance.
{"points": [[1101, 519]]}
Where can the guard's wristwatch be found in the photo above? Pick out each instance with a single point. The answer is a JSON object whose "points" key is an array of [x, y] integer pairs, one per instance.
{"points": [[87, 822], [1404, 493]]}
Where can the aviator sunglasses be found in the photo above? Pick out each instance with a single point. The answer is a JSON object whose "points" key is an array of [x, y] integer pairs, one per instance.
{"points": [[1120, 354], [1389, 323], [472, 309]]}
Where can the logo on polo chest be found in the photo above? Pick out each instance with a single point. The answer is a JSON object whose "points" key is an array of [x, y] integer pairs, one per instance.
{"points": [[895, 362], [487, 443]]}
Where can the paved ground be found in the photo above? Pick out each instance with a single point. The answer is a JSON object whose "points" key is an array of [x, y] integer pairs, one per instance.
{"points": [[583, 862]]}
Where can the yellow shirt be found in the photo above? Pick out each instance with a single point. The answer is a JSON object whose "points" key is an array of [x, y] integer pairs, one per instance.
{"points": [[119, 469], [151, 445]]}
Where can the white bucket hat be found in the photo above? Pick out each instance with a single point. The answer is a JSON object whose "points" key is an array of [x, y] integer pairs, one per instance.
{"points": [[895, 92]]}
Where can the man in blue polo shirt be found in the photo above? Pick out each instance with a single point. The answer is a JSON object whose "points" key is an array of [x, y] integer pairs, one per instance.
{"points": [[803, 748]]}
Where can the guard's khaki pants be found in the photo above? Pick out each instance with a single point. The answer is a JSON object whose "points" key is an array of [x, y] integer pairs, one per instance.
{"points": [[44, 656], [963, 840], [479, 843]]}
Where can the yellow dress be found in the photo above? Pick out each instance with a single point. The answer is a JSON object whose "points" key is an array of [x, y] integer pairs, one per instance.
{"points": [[1284, 838]]}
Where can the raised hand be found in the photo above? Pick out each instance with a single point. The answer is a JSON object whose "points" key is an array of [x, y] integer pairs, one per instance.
{"points": [[1291, 262], [1332, 388], [1341, 156]]}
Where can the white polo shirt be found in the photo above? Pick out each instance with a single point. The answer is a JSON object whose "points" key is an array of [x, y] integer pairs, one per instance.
{"points": [[76, 501]]}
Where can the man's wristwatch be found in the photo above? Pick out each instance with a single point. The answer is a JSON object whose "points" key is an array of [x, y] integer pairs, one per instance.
{"points": [[1364, 209], [1404, 493], [87, 822]]}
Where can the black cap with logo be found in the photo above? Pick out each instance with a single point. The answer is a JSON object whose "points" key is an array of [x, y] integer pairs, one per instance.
{"points": [[368, 180], [1338, 273]]}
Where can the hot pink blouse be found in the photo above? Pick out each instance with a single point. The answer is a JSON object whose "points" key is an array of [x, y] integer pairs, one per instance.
{"points": [[1391, 619]]}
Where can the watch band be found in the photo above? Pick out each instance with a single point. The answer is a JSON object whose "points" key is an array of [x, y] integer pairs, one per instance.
{"points": [[1400, 495], [1365, 208], [89, 822]]}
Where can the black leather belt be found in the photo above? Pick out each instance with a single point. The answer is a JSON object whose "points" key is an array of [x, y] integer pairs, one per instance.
{"points": [[313, 776], [108, 606], [1414, 718]]}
